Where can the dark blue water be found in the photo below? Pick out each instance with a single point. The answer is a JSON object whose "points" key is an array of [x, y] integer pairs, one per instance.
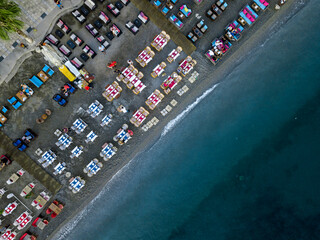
{"points": [[243, 164]]}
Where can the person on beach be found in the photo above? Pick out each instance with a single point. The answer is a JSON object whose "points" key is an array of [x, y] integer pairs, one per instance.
{"points": [[101, 48], [58, 2], [117, 71]]}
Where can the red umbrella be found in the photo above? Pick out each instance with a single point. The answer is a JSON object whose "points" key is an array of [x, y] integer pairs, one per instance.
{"points": [[130, 132]]}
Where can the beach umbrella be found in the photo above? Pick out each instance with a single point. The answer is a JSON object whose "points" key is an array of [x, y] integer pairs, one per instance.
{"points": [[130, 132]]}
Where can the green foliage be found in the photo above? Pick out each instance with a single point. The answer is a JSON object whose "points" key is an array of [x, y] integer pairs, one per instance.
{"points": [[9, 11]]}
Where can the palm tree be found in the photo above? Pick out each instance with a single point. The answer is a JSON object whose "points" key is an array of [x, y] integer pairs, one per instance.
{"points": [[9, 11]]}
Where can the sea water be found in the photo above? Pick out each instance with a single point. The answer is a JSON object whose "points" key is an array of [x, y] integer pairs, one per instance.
{"points": [[241, 163]]}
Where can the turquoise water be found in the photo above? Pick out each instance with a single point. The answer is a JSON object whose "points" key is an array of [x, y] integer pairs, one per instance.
{"points": [[243, 164]]}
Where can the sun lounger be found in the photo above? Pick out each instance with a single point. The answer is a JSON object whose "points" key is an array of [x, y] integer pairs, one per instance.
{"points": [[51, 38], [65, 50], [165, 10], [249, 15], [76, 39], [245, 18], [103, 16], [77, 63], [157, 3], [12, 100], [252, 12], [89, 51], [61, 24], [79, 16], [94, 32], [262, 4], [90, 4], [36, 81], [48, 70], [17, 105], [237, 25]]}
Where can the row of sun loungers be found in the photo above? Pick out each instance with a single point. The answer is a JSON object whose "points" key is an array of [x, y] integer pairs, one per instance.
{"points": [[234, 30]]}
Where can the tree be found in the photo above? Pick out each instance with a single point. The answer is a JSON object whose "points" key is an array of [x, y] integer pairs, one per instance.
{"points": [[9, 11]]}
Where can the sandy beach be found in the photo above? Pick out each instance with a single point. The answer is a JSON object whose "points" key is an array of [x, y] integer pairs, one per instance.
{"points": [[252, 38]]}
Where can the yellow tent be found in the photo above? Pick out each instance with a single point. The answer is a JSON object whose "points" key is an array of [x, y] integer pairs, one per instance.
{"points": [[65, 71]]}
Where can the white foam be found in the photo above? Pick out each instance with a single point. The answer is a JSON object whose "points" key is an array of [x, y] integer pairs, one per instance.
{"points": [[182, 115]]}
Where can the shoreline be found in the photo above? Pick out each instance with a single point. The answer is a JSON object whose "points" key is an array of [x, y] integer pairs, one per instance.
{"points": [[250, 40]]}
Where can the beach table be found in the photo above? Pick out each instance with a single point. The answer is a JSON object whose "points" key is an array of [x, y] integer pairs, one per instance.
{"points": [[76, 152], [27, 189], [138, 117], [22, 97], [59, 168], [158, 70], [106, 120], [3, 119], [42, 76], [91, 137], [40, 202], [55, 208], [154, 99]]}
